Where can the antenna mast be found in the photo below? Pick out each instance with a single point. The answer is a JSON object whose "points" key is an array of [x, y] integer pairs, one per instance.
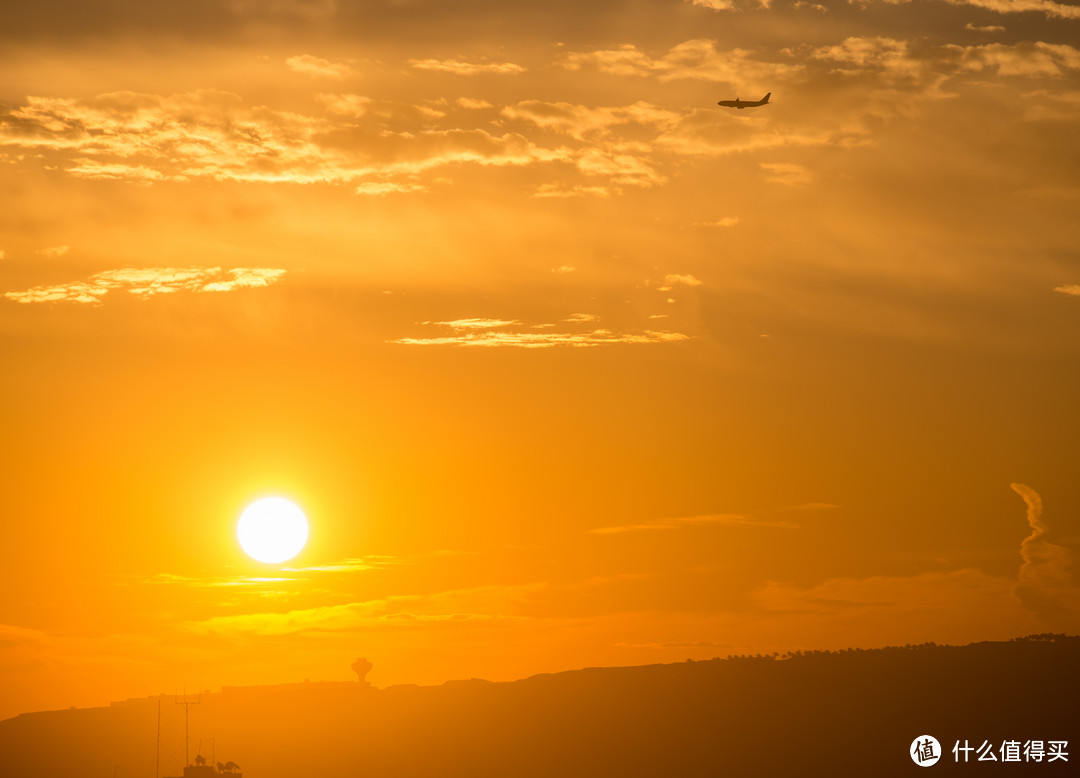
{"points": [[157, 754], [187, 703]]}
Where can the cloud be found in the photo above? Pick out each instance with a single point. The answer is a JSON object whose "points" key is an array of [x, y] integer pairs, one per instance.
{"points": [[887, 54], [144, 138], [55, 251], [726, 221], [581, 317], [1023, 59], [1044, 584], [463, 68], [473, 104], [1069, 289], [561, 190], [114, 171], [723, 519], [309, 65], [475, 324], [940, 606], [148, 282], [388, 187], [786, 173], [693, 59], [479, 604], [346, 104], [985, 28], [492, 336], [624, 169], [1051, 9], [577, 120], [353, 565], [716, 5], [671, 280]]}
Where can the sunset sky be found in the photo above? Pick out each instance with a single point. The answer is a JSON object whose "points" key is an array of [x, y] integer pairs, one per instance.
{"points": [[566, 364]]}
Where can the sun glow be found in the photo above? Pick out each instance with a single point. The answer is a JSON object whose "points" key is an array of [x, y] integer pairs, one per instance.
{"points": [[272, 530]]}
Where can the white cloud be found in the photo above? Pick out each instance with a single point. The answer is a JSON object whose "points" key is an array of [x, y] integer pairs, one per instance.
{"points": [[671, 280], [694, 59], [786, 173], [387, 187], [473, 104], [475, 324], [726, 221], [463, 68], [148, 282], [490, 333], [722, 519], [1050, 8], [309, 65]]}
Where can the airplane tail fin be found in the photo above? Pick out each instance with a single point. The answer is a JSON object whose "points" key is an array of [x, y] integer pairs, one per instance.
{"points": [[765, 99]]}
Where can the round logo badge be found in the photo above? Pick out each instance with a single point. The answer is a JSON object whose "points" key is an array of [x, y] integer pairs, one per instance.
{"points": [[925, 750]]}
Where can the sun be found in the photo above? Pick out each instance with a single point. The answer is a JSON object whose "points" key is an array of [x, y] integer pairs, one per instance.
{"points": [[272, 530]]}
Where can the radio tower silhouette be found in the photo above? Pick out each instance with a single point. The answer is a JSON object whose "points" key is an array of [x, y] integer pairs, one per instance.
{"points": [[187, 703]]}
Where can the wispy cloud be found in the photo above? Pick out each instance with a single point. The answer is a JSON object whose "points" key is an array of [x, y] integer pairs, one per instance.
{"points": [[54, 251], [715, 5], [388, 187], [561, 190], [144, 138], [1022, 59], [786, 173], [212, 583], [148, 282], [693, 59], [309, 65], [479, 604], [352, 565], [462, 68], [1049, 8], [494, 338], [671, 280], [721, 519], [1044, 583], [473, 104], [578, 121], [726, 221], [475, 324], [1069, 289]]}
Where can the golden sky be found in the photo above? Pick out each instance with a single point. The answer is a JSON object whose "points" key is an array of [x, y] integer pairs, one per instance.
{"points": [[566, 365]]}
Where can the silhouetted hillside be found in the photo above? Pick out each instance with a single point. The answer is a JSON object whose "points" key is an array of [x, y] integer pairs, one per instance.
{"points": [[809, 714]]}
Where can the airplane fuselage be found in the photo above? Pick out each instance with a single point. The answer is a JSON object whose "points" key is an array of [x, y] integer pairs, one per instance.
{"points": [[740, 104]]}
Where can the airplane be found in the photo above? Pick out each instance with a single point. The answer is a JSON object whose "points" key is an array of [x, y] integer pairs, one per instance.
{"points": [[740, 104]]}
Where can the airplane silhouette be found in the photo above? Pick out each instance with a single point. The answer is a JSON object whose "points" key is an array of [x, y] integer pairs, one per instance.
{"points": [[740, 104]]}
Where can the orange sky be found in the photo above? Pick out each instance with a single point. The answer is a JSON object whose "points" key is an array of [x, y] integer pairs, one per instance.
{"points": [[566, 365]]}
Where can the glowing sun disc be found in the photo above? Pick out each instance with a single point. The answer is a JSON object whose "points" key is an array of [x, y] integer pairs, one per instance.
{"points": [[272, 530]]}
